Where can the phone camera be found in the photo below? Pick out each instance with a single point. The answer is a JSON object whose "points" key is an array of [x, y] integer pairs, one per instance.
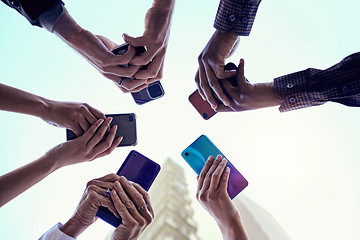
{"points": [[155, 91], [186, 154], [205, 115], [131, 118], [134, 155]]}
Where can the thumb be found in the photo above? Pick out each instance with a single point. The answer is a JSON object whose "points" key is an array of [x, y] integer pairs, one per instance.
{"points": [[241, 74], [135, 42]]}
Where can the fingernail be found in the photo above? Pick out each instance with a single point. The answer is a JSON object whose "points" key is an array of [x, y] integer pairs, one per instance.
{"points": [[123, 178], [116, 127], [117, 184], [101, 121], [227, 169], [110, 119], [226, 103]]}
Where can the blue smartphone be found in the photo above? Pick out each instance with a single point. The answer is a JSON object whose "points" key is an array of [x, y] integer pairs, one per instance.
{"points": [[136, 168], [198, 152], [151, 92], [126, 127]]}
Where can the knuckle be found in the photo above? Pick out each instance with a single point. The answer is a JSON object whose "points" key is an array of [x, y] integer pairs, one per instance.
{"points": [[133, 223], [129, 203], [90, 183]]}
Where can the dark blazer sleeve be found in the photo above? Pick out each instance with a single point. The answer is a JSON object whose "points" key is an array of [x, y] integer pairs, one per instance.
{"points": [[32, 9]]}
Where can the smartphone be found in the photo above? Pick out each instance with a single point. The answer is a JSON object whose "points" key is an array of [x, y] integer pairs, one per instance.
{"points": [[136, 168], [153, 91], [198, 152], [126, 127], [203, 107]]}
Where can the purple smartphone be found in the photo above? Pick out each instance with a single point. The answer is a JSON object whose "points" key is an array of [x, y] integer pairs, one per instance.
{"points": [[198, 152], [136, 168]]}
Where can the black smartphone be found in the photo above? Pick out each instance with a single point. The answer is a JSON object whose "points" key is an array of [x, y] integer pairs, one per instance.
{"points": [[153, 91], [136, 168], [126, 127]]}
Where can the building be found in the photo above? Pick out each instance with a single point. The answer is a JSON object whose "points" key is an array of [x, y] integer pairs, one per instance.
{"points": [[172, 206]]}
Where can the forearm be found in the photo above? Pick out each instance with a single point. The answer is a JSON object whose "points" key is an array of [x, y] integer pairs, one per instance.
{"points": [[19, 180], [16, 100], [73, 228], [234, 230]]}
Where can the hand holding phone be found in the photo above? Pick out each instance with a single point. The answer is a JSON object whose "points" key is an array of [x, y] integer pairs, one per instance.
{"points": [[202, 106], [198, 152], [126, 127], [136, 168], [153, 91]]}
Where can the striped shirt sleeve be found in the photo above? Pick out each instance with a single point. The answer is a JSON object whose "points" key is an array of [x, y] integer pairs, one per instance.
{"points": [[236, 15], [311, 87]]}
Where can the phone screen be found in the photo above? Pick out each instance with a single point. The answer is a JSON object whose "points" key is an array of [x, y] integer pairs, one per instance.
{"points": [[126, 127], [136, 168], [197, 154]]}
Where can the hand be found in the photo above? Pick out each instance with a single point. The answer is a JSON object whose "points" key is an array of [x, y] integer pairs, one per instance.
{"points": [[246, 96], [211, 66], [92, 199], [75, 116], [155, 39], [133, 205], [96, 49], [212, 195], [87, 147]]}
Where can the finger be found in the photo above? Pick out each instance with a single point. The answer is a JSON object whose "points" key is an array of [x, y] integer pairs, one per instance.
{"points": [[146, 198], [91, 131], [241, 74], [84, 124], [215, 85], [208, 176], [204, 171], [119, 71], [120, 207], [115, 143], [122, 59], [77, 130], [224, 181], [98, 114], [107, 42], [125, 199], [99, 134], [138, 89], [112, 177], [215, 178], [197, 81], [144, 58], [152, 69], [137, 198], [159, 76], [100, 198], [130, 85], [107, 142], [204, 84]]}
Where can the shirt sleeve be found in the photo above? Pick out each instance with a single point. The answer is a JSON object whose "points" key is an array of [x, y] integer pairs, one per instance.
{"points": [[311, 87], [55, 234], [32, 9], [236, 15]]}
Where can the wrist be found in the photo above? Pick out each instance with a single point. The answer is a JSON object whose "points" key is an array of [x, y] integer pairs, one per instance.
{"points": [[73, 228], [164, 4], [233, 230], [67, 28]]}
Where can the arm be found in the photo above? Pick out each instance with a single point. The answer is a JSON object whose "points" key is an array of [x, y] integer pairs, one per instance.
{"points": [[339, 83], [75, 116], [212, 195], [85, 148], [155, 38], [233, 19]]}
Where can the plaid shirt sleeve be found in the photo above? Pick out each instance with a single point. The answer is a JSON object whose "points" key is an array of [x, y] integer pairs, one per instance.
{"points": [[236, 15], [312, 87]]}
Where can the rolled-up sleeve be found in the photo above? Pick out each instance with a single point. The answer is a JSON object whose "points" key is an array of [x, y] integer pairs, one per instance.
{"points": [[55, 234], [311, 87], [236, 15], [32, 9]]}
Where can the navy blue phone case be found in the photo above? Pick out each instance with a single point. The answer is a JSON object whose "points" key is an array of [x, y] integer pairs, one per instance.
{"points": [[197, 154], [136, 168]]}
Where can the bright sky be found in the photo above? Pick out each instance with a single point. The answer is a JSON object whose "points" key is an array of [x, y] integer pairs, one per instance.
{"points": [[302, 166]]}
